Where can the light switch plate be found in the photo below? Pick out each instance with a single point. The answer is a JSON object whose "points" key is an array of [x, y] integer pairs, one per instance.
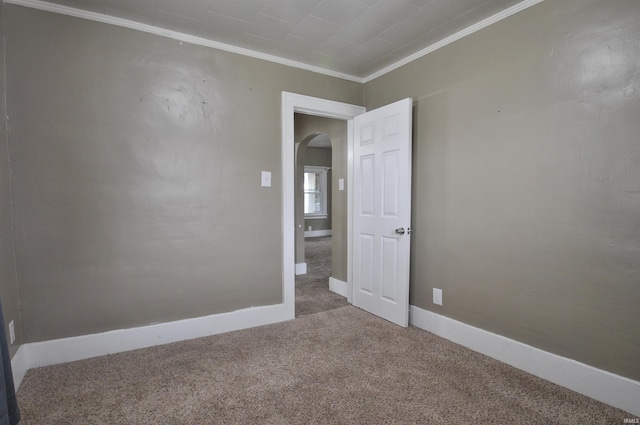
{"points": [[437, 296], [266, 179], [341, 184]]}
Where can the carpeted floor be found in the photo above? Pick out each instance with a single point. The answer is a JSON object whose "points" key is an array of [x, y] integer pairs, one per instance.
{"points": [[312, 289], [342, 366]]}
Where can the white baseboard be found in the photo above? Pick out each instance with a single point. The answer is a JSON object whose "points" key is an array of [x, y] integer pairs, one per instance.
{"points": [[37, 354], [317, 233], [601, 385], [338, 286], [301, 268], [19, 366]]}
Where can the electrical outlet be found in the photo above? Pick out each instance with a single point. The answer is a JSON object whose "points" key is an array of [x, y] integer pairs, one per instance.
{"points": [[437, 296], [12, 332]]}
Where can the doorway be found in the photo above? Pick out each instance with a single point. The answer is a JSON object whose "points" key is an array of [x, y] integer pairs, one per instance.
{"points": [[292, 104], [320, 213], [313, 180]]}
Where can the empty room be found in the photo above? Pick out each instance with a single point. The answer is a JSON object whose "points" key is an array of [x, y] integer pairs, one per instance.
{"points": [[481, 179]]}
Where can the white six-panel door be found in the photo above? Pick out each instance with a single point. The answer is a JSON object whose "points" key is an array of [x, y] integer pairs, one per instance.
{"points": [[382, 211]]}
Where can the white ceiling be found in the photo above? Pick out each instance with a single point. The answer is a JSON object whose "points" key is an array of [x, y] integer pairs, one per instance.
{"points": [[354, 37]]}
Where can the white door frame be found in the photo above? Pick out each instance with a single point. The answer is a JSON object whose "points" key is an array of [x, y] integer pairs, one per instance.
{"points": [[292, 103]]}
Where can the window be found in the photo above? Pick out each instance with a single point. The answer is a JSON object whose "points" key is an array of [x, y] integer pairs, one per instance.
{"points": [[315, 192]]}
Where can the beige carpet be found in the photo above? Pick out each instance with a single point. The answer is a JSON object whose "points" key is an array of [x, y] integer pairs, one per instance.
{"points": [[342, 366], [312, 289]]}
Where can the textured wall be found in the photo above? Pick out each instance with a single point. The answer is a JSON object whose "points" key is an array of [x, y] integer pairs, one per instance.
{"points": [[137, 166], [527, 179], [8, 282]]}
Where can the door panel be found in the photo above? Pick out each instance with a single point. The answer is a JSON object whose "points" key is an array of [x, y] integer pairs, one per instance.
{"points": [[366, 263], [390, 185], [382, 204], [389, 269], [367, 193]]}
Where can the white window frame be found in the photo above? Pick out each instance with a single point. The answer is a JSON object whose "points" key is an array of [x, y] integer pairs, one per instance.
{"points": [[322, 171]]}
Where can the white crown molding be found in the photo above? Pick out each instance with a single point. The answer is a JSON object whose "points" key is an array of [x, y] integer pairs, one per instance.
{"points": [[454, 37], [125, 23], [599, 384]]}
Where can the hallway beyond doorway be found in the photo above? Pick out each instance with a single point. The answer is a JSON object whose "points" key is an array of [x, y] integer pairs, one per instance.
{"points": [[312, 289]]}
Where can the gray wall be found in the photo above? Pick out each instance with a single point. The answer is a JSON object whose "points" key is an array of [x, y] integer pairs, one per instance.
{"points": [[8, 282], [526, 183], [136, 179], [136, 165]]}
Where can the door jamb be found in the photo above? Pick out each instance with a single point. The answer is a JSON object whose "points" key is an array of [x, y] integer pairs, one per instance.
{"points": [[292, 103]]}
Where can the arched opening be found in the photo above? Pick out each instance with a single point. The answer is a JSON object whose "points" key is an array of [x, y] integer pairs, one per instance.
{"points": [[312, 192]]}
